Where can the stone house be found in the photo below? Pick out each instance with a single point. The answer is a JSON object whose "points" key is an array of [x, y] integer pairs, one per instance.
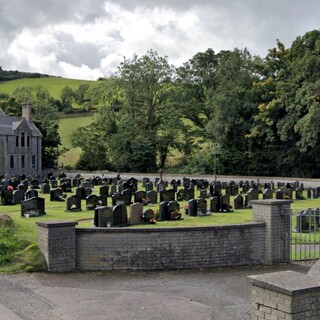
{"points": [[20, 144]]}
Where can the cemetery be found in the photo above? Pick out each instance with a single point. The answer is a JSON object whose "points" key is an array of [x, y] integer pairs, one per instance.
{"points": [[174, 209]]}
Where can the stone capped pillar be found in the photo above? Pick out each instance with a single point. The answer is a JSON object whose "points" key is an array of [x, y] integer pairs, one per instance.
{"points": [[57, 242], [277, 216]]}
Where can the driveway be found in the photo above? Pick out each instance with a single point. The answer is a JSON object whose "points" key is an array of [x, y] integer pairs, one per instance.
{"points": [[214, 294]]}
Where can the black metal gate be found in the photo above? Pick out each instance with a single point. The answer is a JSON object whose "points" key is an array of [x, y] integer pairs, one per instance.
{"points": [[305, 235]]}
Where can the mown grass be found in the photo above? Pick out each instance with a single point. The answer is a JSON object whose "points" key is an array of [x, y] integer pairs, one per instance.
{"points": [[53, 84]]}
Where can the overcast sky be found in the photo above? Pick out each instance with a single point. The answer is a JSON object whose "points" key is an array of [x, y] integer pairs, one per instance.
{"points": [[87, 39]]}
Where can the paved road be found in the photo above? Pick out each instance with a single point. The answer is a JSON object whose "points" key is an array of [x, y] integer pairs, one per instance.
{"points": [[307, 181], [215, 294]]}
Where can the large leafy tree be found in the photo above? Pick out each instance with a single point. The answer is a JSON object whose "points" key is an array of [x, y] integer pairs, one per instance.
{"points": [[215, 93], [147, 110], [286, 122]]}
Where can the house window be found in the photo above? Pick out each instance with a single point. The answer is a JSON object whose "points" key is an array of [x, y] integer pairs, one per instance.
{"points": [[33, 161], [23, 164], [28, 141], [22, 139], [11, 162], [17, 141]]}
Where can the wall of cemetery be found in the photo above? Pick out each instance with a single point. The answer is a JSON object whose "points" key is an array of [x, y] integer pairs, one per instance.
{"points": [[169, 248]]}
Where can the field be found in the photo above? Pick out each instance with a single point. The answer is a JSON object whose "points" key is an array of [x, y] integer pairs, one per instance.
{"points": [[67, 125], [53, 84]]}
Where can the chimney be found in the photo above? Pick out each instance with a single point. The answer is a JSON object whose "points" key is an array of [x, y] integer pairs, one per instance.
{"points": [[26, 111]]}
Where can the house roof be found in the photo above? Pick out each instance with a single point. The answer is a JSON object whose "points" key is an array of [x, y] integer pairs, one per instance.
{"points": [[9, 124]]}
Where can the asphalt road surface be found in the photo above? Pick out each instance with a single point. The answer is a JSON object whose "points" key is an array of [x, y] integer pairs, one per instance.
{"points": [[308, 182], [214, 294]]}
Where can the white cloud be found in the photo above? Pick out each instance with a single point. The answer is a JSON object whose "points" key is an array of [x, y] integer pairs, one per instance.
{"points": [[88, 39]]}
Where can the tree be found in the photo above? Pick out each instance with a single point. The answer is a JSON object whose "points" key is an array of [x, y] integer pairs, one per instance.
{"points": [[66, 97], [44, 115]]}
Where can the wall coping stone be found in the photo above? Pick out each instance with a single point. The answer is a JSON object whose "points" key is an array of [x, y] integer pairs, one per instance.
{"points": [[56, 224], [286, 282], [174, 229], [272, 202]]}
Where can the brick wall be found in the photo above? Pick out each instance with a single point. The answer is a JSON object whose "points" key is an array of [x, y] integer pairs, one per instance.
{"points": [[169, 248], [264, 241], [285, 295]]}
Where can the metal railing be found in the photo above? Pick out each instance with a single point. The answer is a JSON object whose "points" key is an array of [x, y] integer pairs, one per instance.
{"points": [[305, 235]]}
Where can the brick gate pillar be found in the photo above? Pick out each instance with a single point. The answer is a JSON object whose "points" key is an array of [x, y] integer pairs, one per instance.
{"points": [[277, 216], [57, 242]]}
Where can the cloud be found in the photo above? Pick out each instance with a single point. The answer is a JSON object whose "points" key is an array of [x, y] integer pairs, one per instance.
{"points": [[89, 38]]}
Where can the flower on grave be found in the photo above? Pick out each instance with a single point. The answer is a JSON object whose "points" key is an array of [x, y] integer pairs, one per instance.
{"points": [[174, 215], [186, 208]]}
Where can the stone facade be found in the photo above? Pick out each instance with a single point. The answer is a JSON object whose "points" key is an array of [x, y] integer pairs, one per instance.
{"points": [[20, 144]]}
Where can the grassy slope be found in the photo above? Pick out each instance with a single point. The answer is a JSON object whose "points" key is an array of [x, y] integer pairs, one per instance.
{"points": [[53, 84], [68, 123], [66, 127]]}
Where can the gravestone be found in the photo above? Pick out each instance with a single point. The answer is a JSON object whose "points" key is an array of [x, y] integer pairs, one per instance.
{"points": [[120, 217], [189, 193], [267, 194], [238, 202], [215, 204], [279, 194], [117, 199], [7, 197], [140, 197], [203, 194], [103, 200], [34, 184], [173, 211], [149, 186], [80, 192], [54, 184], [45, 188], [202, 207], [32, 193], [104, 190], [73, 204], [103, 217], [145, 180], [66, 187], [18, 196], [252, 194], [152, 197], [126, 196], [26, 185], [56, 195], [76, 182], [33, 207], [136, 211], [167, 195], [299, 194], [87, 192], [163, 211], [92, 201], [181, 196], [148, 216], [225, 203]]}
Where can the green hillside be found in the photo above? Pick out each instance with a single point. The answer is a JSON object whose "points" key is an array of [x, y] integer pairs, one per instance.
{"points": [[67, 125], [53, 84]]}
